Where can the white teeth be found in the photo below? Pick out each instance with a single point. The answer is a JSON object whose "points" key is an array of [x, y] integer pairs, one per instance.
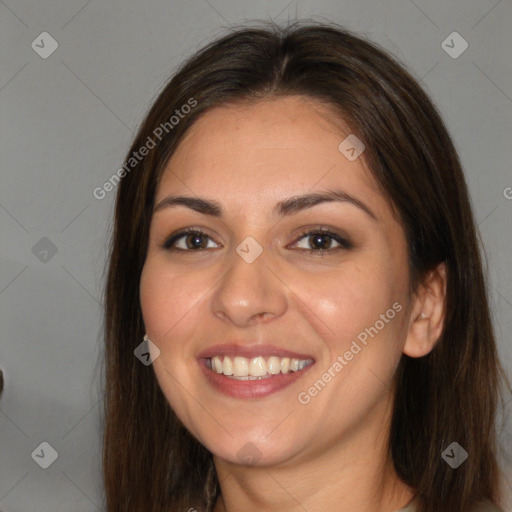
{"points": [[217, 364], [257, 367], [273, 365], [240, 367], [227, 368]]}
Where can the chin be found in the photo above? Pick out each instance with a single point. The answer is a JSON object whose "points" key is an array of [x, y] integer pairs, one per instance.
{"points": [[254, 451]]}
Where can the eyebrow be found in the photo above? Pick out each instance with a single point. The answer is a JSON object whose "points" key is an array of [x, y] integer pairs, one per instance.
{"points": [[286, 207]]}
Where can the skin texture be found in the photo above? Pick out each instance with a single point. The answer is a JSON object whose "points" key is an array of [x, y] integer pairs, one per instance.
{"points": [[331, 453]]}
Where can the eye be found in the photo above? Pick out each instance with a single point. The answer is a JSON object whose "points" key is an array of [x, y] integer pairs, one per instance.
{"points": [[321, 241], [193, 241]]}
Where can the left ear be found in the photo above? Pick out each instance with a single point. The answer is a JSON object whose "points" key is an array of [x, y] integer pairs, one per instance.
{"points": [[427, 318]]}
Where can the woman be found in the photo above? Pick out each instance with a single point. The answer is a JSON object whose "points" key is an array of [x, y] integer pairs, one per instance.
{"points": [[296, 313]]}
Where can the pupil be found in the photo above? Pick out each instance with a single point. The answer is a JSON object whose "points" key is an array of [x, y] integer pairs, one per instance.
{"points": [[195, 238], [320, 237]]}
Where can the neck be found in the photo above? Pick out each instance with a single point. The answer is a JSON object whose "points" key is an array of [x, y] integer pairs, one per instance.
{"points": [[355, 474]]}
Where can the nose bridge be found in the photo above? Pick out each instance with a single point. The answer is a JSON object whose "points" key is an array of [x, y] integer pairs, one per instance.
{"points": [[249, 287]]}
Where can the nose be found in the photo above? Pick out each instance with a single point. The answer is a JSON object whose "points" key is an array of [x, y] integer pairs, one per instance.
{"points": [[249, 293]]}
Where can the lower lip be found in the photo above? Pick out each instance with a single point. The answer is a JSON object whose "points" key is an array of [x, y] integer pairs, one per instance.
{"points": [[251, 388]]}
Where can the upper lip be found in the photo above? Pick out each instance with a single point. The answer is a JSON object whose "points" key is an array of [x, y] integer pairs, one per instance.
{"points": [[250, 351]]}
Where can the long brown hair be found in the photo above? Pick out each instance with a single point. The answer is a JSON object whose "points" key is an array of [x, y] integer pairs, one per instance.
{"points": [[150, 462]]}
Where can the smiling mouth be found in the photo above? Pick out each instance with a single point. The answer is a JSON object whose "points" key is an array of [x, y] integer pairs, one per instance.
{"points": [[255, 368]]}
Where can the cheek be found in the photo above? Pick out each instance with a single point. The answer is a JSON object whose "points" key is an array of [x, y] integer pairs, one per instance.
{"points": [[170, 309], [349, 299], [166, 298], [352, 313]]}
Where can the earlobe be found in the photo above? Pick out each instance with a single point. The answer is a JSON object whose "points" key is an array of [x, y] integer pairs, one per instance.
{"points": [[427, 318]]}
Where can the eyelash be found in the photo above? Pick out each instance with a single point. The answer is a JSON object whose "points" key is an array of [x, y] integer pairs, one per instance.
{"points": [[344, 243]]}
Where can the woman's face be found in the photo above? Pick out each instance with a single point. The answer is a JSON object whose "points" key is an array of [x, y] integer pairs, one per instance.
{"points": [[253, 291]]}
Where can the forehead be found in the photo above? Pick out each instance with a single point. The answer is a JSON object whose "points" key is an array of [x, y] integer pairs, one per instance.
{"points": [[266, 149]]}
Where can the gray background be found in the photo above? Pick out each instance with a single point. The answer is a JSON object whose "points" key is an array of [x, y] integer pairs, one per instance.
{"points": [[66, 124]]}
